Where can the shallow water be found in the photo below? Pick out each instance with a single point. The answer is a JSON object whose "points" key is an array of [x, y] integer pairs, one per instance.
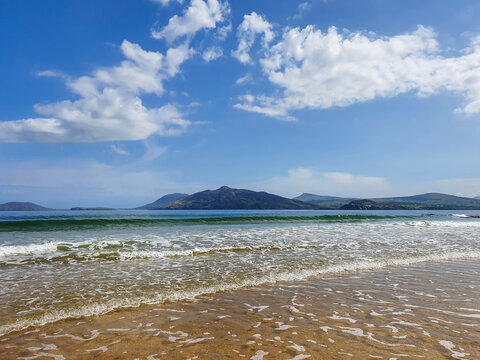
{"points": [[60, 265], [422, 311]]}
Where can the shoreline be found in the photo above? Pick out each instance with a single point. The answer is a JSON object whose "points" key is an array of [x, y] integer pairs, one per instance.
{"points": [[270, 281], [425, 310]]}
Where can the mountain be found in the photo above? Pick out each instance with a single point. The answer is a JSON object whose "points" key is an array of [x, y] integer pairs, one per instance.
{"points": [[21, 206], [226, 198], [163, 201], [370, 205], [477, 197], [323, 201], [433, 201]]}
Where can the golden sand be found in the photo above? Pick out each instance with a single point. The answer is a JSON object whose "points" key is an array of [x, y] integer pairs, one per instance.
{"points": [[427, 311]]}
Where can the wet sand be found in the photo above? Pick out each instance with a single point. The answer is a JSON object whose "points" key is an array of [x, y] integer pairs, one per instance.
{"points": [[425, 311]]}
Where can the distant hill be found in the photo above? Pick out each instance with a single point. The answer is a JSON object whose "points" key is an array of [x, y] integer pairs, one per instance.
{"points": [[433, 201], [323, 201], [477, 197], [163, 201], [92, 208], [429, 201], [370, 205], [226, 198], [21, 206]]}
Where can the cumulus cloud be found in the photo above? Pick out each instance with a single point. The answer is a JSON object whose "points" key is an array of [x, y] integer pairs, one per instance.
{"points": [[109, 106], [320, 70], [251, 26], [299, 180], [199, 15], [212, 53]]}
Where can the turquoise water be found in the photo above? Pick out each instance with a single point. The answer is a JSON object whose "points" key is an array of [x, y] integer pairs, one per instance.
{"points": [[61, 264]]}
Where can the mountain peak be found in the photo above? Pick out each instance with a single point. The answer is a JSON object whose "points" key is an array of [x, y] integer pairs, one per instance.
{"points": [[231, 199]]}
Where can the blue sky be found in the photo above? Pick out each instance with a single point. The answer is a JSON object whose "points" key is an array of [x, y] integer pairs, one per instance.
{"points": [[116, 103]]}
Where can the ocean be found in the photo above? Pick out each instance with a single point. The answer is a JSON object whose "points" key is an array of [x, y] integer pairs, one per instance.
{"points": [[62, 265]]}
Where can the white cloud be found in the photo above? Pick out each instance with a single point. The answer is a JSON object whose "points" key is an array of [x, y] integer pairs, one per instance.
{"points": [[166, 2], [300, 180], [251, 26], [51, 73], [223, 31], [317, 70], [304, 6], [244, 80], [301, 9], [109, 105], [212, 53], [199, 15], [118, 150]]}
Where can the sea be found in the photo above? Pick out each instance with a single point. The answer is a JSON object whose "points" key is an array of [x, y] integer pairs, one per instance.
{"points": [[57, 265]]}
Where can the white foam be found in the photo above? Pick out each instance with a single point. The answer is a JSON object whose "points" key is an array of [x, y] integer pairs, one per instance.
{"points": [[51, 247], [296, 347], [259, 355], [450, 346], [152, 254], [30, 249]]}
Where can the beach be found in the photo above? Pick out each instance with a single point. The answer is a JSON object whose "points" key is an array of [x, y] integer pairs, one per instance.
{"points": [[427, 311], [262, 286]]}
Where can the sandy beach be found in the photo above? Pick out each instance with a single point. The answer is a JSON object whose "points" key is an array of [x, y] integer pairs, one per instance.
{"points": [[259, 180], [424, 311]]}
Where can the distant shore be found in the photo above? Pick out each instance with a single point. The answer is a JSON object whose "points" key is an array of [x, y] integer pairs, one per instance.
{"points": [[225, 198]]}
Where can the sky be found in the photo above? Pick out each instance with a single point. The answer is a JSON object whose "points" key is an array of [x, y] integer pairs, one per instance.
{"points": [[118, 102]]}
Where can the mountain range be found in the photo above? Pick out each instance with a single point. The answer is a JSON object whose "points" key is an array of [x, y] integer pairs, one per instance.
{"points": [[226, 198]]}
